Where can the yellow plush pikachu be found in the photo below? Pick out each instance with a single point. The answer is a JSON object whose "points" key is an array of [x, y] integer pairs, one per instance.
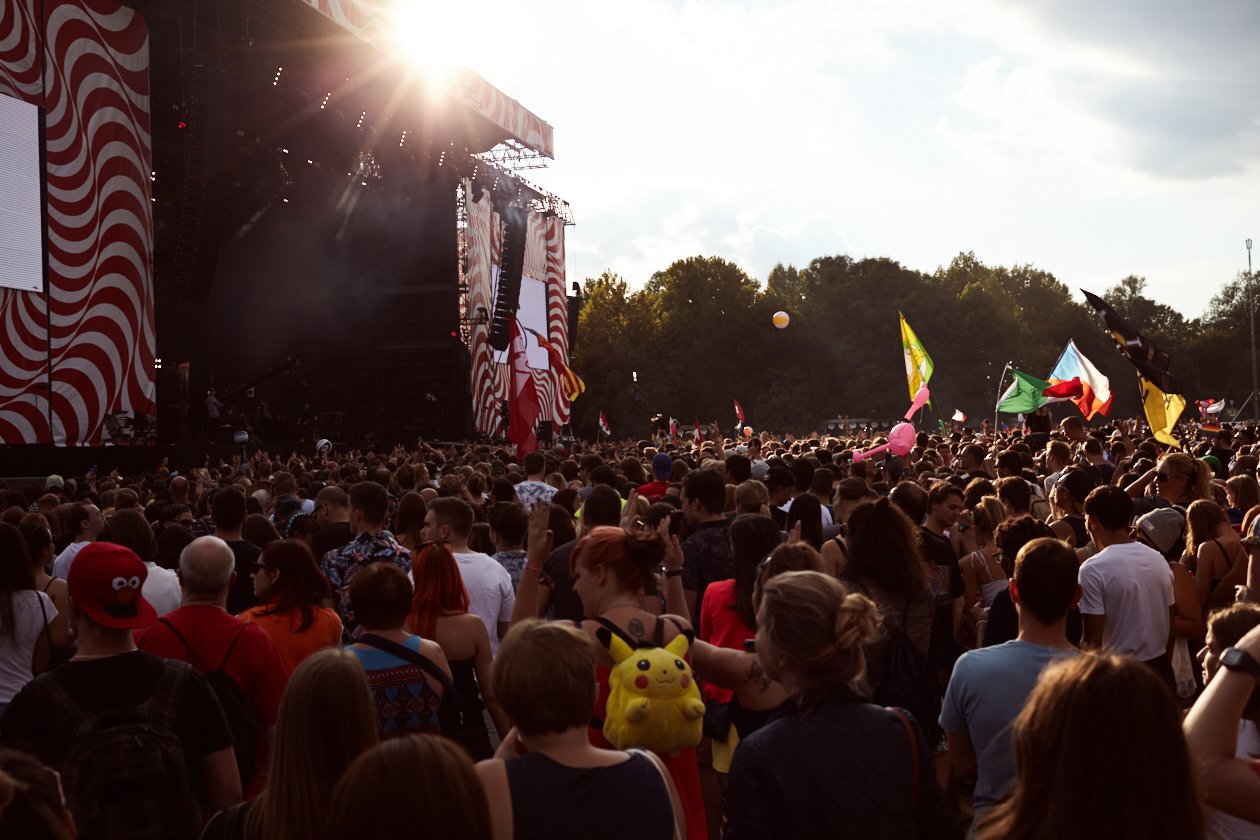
{"points": [[653, 701]]}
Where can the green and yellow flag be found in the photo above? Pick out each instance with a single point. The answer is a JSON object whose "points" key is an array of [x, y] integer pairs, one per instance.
{"points": [[918, 362], [1162, 411]]}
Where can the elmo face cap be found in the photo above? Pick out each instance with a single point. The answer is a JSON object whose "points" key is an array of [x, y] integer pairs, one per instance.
{"points": [[105, 582]]}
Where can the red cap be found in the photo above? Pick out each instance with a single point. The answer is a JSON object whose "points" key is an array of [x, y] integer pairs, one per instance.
{"points": [[105, 582]]}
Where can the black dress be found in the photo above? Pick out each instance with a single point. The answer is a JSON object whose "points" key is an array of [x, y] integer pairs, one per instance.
{"points": [[471, 734]]}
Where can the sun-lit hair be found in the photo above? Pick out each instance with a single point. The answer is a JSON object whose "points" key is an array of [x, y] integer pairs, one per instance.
{"points": [[307, 754], [1202, 519], [630, 557], [544, 676], [1197, 474], [423, 782], [1099, 745], [819, 630], [439, 589]]}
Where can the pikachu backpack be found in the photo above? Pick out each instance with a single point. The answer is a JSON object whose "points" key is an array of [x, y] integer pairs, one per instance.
{"points": [[653, 700]]}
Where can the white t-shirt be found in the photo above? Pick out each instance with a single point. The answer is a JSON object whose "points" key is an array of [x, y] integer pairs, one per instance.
{"points": [[490, 593], [1132, 585], [16, 652], [61, 566], [161, 589]]}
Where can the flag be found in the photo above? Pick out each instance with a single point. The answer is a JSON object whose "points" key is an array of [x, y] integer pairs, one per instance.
{"points": [[698, 437], [739, 412], [959, 417], [673, 428], [1210, 406], [1096, 396], [603, 424], [1162, 411], [1151, 362], [570, 383], [1026, 394], [1060, 391], [523, 396], [918, 362]]}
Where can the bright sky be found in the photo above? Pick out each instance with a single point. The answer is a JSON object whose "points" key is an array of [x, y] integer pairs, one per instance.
{"points": [[1090, 139]]}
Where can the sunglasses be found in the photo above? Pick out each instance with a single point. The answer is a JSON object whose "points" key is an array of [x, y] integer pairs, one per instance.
{"points": [[1165, 476], [261, 567]]}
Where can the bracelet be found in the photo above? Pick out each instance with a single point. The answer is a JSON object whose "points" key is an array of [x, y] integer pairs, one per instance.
{"points": [[669, 573]]}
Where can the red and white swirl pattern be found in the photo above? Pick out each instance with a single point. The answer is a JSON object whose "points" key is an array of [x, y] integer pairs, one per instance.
{"points": [[23, 315], [544, 258], [99, 236]]}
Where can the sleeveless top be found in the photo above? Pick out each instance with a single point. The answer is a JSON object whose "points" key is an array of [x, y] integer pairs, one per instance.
{"points": [[405, 702], [991, 587], [552, 801], [472, 735]]}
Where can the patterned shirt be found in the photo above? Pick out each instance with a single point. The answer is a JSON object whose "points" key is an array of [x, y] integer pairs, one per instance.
{"points": [[405, 702], [530, 492], [513, 561], [342, 564]]}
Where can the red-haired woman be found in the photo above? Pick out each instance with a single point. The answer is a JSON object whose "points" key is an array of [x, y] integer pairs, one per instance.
{"points": [[291, 589], [439, 612]]}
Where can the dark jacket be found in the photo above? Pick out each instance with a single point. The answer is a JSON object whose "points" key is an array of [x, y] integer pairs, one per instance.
{"points": [[843, 769]]}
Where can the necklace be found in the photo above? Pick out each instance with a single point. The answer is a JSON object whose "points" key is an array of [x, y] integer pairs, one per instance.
{"points": [[83, 657]]}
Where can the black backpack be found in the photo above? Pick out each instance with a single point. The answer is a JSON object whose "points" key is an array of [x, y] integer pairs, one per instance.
{"points": [[125, 775], [240, 714], [909, 682]]}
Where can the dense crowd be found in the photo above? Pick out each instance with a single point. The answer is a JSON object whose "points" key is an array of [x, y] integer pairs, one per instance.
{"points": [[1016, 634]]}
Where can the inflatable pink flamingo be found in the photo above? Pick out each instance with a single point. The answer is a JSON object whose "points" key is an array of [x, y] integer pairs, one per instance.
{"points": [[901, 437]]}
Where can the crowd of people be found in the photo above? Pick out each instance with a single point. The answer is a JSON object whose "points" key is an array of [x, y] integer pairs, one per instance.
{"points": [[1011, 634]]}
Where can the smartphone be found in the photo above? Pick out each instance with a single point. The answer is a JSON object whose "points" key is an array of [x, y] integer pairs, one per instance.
{"points": [[750, 645]]}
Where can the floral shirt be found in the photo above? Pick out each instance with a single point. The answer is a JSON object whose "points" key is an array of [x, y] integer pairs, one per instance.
{"points": [[513, 561], [342, 564], [530, 492]]}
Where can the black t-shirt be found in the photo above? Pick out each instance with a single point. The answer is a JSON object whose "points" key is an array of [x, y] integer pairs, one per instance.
{"points": [[101, 685], [329, 538], [565, 603], [943, 572], [241, 597]]}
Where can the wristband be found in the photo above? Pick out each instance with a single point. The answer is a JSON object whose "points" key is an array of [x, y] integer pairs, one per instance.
{"points": [[669, 573]]}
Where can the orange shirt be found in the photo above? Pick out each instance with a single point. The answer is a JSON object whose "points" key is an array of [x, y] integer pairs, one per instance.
{"points": [[292, 645]]}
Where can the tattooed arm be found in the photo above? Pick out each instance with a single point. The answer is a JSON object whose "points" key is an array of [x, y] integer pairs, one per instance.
{"points": [[738, 671]]}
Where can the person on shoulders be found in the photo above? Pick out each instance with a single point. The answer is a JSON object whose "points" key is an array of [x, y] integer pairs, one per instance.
{"points": [[545, 674], [989, 686]]}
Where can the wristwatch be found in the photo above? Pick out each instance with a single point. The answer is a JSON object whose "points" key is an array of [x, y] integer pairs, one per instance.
{"points": [[1239, 660]]}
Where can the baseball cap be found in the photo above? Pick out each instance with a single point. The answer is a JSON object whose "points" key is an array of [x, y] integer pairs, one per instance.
{"points": [[778, 477], [105, 582], [54, 480], [1163, 527], [661, 465]]}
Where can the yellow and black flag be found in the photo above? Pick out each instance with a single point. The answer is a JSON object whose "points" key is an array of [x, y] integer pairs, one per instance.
{"points": [[1151, 362], [1162, 411]]}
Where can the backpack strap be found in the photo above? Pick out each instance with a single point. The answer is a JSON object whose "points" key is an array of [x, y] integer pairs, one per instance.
{"points": [[415, 657], [611, 627], [914, 753], [164, 701], [200, 663], [232, 646], [79, 722]]}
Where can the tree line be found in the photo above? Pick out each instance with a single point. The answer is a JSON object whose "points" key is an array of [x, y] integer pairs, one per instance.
{"points": [[699, 335]]}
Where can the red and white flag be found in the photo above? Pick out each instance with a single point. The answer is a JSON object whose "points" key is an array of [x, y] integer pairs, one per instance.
{"points": [[959, 417], [739, 413], [673, 428], [603, 424], [523, 397], [698, 435]]}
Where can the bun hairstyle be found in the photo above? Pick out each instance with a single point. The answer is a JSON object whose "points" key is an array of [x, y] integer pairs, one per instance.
{"points": [[819, 631], [629, 555]]}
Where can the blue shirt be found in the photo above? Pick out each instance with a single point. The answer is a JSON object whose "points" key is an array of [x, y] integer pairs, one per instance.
{"points": [[986, 692]]}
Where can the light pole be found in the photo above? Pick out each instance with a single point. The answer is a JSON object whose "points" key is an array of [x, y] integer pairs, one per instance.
{"points": [[1251, 314]]}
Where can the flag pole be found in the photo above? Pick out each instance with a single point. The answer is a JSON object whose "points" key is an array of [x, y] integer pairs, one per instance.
{"points": [[998, 401]]}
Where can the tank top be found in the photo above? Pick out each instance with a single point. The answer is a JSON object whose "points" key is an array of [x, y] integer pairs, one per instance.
{"points": [[472, 734], [552, 801]]}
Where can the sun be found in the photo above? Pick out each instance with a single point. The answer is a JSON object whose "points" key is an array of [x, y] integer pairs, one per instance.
{"points": [[429, 35]]}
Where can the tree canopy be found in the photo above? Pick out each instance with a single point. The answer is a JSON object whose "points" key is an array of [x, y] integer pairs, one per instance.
{"points": [[699, 335]]}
